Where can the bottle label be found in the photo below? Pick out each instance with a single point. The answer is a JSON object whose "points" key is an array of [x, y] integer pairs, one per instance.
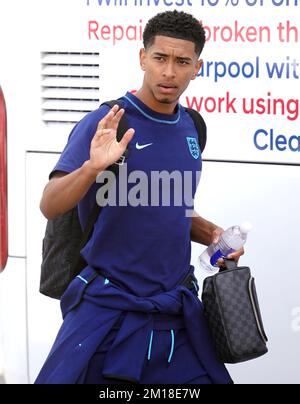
{"points": [[218, 254]]}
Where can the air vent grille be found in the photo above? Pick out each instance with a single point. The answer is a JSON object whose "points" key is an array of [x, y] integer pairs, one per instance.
{"points": [[70, 86]]}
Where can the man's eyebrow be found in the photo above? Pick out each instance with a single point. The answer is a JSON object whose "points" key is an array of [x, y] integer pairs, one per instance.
{"points": [[184, 58], [160, 54]]}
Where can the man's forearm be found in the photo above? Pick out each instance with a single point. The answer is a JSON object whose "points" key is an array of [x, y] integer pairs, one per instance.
{"points": [[63, 192], [202, 230]]}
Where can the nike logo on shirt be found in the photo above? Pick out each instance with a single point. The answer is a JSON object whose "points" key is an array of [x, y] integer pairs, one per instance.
{"points": [[142, 146]]}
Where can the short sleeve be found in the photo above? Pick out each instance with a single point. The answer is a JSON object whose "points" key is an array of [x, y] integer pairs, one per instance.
{"points": [[77, 150]]}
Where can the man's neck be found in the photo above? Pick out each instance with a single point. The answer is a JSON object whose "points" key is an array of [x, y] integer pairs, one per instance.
{"points": [[160, 107]]}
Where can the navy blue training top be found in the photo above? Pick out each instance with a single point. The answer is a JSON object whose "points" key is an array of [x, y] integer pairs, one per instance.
{"points": [[145, 246]]}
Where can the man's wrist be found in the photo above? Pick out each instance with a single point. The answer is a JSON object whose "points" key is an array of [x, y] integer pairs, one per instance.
{"points": [[203, 231], [91, 172]]}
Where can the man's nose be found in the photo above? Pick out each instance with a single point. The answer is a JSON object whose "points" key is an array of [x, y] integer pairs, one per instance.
{"points": [[169, 70]]}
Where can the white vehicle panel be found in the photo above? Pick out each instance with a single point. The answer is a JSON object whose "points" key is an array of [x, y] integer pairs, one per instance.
{"points": [[13, 322], [65, 58]]}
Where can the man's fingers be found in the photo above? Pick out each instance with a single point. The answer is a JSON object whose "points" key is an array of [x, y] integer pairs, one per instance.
{"points": [[221, 263], [101, 132], [108, 118], [124, 141], [116, 119], [237, 254], [126, 138]]}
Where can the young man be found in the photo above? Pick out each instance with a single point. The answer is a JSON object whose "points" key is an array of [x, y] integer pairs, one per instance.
{"points": [[130, 316]]}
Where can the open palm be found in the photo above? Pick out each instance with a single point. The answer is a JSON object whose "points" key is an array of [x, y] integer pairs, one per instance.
{"points": [[105, 149]]}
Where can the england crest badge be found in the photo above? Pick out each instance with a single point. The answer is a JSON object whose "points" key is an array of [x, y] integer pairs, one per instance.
{"points": [[193, 147]]}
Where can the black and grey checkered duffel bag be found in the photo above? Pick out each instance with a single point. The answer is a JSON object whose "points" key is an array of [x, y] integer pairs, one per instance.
{"points": [[233, 314]]}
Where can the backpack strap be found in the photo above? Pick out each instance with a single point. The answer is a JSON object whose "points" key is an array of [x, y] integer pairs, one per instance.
{"points": [[200, 126], [122, 129], [93, 216]]}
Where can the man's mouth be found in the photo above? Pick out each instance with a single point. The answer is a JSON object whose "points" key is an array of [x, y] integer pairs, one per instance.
{"points": [[167, 88]]}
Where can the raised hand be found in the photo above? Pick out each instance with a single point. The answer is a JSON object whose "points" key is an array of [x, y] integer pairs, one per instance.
{"points": [[105, 149]]}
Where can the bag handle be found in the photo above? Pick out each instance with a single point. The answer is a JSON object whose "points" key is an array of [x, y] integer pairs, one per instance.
{"points": [[229, 264]]}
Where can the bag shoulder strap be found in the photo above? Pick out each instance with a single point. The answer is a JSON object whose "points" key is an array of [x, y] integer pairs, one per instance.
{"points": [[93, 216], [200, 126], [123, 126]]}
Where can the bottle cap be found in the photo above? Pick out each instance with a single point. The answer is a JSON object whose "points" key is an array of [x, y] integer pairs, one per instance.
{"points": [[245, 227]]}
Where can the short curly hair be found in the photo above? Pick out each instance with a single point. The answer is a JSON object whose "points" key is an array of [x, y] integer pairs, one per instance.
{"points": [[175, 24]]}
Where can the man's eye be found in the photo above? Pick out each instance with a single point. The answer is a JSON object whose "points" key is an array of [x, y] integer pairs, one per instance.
{"points": [[159, 58]]}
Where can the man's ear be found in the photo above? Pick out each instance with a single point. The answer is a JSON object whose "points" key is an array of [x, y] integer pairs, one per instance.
{"points": [[143, 59], [197, 68]]}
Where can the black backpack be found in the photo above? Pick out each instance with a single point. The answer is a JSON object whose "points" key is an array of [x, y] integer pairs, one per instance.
{"points": [[64, 238]]}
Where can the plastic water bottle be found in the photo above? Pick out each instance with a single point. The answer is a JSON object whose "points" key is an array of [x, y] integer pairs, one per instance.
{"points": [[231, 240]]}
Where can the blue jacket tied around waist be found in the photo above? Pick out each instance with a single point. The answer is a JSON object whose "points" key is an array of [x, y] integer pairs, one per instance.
{"points": [[101, 306]]}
